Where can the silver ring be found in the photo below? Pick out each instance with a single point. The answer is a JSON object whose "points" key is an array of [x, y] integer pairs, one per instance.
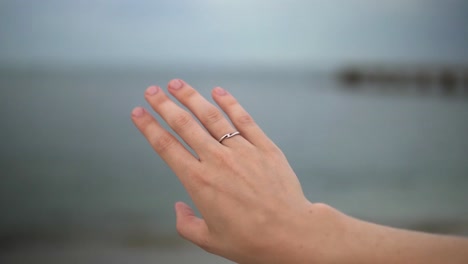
{"points": [[228, 135]]}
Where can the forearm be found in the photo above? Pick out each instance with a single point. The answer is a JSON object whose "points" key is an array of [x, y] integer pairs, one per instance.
{"points": [[325, 235], [371, 243]]}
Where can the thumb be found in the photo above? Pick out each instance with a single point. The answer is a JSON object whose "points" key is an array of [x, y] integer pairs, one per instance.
{"points": [[190, 226]]}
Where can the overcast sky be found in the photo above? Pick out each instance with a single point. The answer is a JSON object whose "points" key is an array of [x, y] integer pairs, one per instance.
{"points": [[282, 32]]}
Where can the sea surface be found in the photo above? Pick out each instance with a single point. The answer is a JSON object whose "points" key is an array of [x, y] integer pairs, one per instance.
{"points": [[74, 168]]}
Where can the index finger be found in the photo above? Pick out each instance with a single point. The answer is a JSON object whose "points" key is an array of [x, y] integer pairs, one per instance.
{"points": [[179, 159]]}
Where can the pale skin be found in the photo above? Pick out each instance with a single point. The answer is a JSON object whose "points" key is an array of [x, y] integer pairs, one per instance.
{"points": [[252, 206]]}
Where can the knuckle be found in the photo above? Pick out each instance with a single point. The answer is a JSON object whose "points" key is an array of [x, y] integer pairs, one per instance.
{"points": [[231, 102], [163, 142], [145, 126], [190, 93], [245, 119], [182, 120], [216, 152], [224, 160], [212, 116]]}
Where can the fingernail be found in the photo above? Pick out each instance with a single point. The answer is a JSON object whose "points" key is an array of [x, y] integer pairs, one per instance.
{"points": [[220, 91], [152, 90], [138, 111], [176, 84]]}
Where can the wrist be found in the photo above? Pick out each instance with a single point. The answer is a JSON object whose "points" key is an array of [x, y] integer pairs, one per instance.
{"points": [[330, 233], [319, 235]]}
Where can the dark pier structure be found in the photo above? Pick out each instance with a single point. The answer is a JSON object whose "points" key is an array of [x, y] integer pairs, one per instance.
{"points": [[444, 80]]}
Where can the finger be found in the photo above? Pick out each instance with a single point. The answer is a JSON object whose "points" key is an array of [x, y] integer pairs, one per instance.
{"points": [[208, 114], [190, 227], [179, 159], [241, 119], [180, 121]]}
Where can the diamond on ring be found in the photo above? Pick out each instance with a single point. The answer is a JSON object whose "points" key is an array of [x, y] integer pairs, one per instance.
{"points": [[228, 135]]}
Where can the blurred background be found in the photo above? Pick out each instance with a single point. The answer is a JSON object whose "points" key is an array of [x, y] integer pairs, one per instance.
{"points": [[368, 100]]}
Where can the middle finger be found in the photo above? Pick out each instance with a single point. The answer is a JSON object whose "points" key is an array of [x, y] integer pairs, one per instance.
{"points": [[180, 121]]}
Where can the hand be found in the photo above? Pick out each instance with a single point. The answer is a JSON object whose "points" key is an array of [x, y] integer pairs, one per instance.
{"points": [[252, 204], [253, 207]]}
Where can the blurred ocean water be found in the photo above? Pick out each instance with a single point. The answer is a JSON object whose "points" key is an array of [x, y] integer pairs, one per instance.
{"points": [[73, 166]]}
